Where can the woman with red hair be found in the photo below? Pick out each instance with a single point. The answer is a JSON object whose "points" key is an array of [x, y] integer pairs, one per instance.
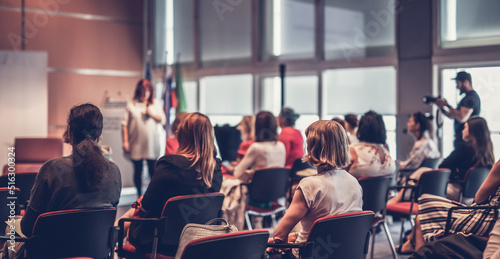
{"points": [[140, 134]]}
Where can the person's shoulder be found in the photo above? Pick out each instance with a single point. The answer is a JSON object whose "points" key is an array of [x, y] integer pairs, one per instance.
{"points": [[112, 166], [174, 160]]}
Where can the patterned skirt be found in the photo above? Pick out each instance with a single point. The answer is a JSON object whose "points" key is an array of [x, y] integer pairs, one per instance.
{"points": [[433, 211]]}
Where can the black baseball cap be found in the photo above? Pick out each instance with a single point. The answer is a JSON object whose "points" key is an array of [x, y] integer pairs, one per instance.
{"points": [[462, 76]]}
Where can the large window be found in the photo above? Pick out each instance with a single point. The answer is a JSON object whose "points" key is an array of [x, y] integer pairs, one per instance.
{"points": [[466, 23], [226, 99], [486, 82], [285, 35], [358, 90], [225, 32], [179, 27], [359, 29], [301, 94]]}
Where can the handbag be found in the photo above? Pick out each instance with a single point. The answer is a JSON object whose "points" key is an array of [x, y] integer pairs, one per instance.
{"points": [[194, 231], [460, 246]]}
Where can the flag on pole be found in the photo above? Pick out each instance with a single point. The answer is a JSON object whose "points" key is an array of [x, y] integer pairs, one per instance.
{"points": [[147, 72], [167, 101], [179, 91]]}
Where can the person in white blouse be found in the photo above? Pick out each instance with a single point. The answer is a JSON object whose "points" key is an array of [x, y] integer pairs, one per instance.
{"points": [[370, 156], [265, 152], [332, 191], [140, 133], [420, 126]]}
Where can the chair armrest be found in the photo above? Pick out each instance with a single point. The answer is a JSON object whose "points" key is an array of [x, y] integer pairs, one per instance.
{"points": [[450, 212], [17, 239], [121, 224]]}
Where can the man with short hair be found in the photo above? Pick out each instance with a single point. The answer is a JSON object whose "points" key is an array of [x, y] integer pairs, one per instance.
{"points": [[469, 106], [463, 156]]}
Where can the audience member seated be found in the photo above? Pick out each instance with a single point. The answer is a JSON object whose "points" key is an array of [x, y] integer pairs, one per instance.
{"points": [[370, 156], [477, 135], [333, 191], [265, 152], [433, 210], [193, 169], [477, 152], [84, 179], [294, 143], [246, 128], [172, 143], [420, 126], [351, 126]]}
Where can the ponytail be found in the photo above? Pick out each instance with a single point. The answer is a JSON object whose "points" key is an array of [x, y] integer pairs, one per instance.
{"points": [[89, 164], [85, 125]]}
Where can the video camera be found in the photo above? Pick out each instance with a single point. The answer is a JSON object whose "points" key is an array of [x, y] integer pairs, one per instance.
{"points": [[430, 99]]}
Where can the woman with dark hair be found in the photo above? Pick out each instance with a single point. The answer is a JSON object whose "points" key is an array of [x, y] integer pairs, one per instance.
{"points": [[351, 126], [477, 152], [433, 209], [84, 179], [266, 151], [370, 157], [332, 191], [140, 133], [193, 169], [291, 138], [420, 126]]}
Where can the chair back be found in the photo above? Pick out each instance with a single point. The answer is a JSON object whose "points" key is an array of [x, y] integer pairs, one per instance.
{"points": [[375, 192], [269, 184], [37, 150], [73, 233], [181, 210], [239, 245], [433, 182], [474, 178], [340, 236], [298, 165], [24, 182], [8, 198], [431, 163]]}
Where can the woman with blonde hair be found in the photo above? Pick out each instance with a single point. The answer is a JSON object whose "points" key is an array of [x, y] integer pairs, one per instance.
{"points": [[246, 128], [333, 191], [193, 169]]}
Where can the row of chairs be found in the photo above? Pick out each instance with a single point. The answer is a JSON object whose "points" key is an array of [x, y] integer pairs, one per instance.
{"points": [[90, 233]]}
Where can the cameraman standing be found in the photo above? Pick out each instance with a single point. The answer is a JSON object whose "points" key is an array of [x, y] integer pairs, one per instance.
{"points": [[463, 156], [469, 106]]}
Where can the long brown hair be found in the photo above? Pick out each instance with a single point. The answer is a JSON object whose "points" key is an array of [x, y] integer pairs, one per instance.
{"points": [[481, 141], [85, 124], [327, 145], [196, 142]]}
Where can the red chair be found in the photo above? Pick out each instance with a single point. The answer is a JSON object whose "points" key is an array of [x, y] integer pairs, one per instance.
{"points": [[177, 212], [375, 199], [239, 245], [338, 236], [267, 186], [72, 233], [24, 182], [431, 182], [32, 153]]}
